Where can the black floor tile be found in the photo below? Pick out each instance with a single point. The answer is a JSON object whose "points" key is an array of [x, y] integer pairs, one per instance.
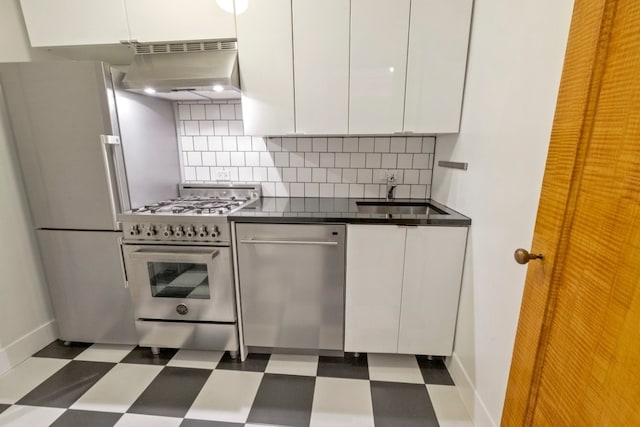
{"points": [[64, 387], [171, 393], [434, 371], [202, 423], [3, 407], [72, 418], [256, 362], [344, 367], [144, 356], [402, 405], [283, 400], [58, 350]]}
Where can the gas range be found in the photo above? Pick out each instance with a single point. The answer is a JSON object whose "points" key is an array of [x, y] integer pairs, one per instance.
{"points": [[198, 215]]}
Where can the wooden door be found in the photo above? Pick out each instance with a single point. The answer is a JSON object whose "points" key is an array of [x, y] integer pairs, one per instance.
{"points": [[577, 354]]}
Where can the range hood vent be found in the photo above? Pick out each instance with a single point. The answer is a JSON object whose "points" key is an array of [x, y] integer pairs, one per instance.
{"points": [[185, 70]]}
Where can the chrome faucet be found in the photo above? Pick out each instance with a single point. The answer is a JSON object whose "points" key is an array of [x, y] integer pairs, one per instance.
{"points": [[391, 186]]}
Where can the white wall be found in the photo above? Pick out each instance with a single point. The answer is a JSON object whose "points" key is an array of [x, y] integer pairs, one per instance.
{"points": [[26, 320], [515, 61]]}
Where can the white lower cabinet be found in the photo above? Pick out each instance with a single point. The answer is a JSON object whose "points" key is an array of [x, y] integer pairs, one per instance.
{"points": [[402, 288]]}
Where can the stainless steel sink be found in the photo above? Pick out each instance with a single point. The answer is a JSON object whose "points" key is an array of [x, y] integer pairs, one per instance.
{"points": [[397, 208]]}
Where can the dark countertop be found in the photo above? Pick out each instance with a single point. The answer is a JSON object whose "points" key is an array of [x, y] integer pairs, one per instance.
{"points": [[320, 209]]}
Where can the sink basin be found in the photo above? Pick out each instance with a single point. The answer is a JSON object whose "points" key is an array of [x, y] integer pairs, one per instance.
{"points": [[398, 208]]}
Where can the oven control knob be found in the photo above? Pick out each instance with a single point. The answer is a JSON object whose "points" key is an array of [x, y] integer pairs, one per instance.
{"points": [[134, 230], [166, 232], [151, 230], [202, 231], [190, 232], [215, 231], [178, 232], [182, 309]]}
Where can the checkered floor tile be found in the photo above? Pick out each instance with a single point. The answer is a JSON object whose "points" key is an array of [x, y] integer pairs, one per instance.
{"points": [[108, 385]]}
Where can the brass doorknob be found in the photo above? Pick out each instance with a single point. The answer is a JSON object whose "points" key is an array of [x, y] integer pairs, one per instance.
{"points": [[522, 256]]}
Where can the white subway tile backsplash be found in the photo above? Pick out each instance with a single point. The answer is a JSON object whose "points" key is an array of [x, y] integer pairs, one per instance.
{"points": [[288, 144], [319, 144], [282, 159], [358, 160], [184, 112], [212, 112], [252, 159], [373, 160], [212, 139], [237, 158], [304, 174], [223, 158], [215, 143], [220, 127], [197, 112], [206, 128], [227, 112], [327, 160]]}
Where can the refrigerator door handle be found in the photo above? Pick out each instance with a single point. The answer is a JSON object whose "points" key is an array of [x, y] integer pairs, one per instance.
{"points": [[105, 142]]}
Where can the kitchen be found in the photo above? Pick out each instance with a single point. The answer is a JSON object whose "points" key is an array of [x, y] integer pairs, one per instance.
{"points": [[546, 105]]}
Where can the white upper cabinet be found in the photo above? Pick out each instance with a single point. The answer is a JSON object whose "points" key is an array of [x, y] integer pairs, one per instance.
{"points": [[74, 22], [379, 31], [265, 53], [438, 40], [162, 21], [321, 64]]}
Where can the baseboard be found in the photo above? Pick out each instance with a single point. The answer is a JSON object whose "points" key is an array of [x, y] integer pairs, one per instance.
{"points": [[25, 346], [472, 401]]}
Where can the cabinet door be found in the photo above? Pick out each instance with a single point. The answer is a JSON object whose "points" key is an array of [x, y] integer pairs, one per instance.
{"points": [[379, 31], [321, 63], [266, 66], [74, 22], [433, 264], [153, 21], [438, 40], [375, 258]]}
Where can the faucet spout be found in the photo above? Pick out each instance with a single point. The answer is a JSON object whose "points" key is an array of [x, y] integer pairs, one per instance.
{"points": [[391, 186]]}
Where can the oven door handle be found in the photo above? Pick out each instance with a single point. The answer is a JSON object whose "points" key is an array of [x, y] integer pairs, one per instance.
{"points": [[187, 257]]}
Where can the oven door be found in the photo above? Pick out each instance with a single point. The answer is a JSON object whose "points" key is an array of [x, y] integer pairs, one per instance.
{"points": [[188, 283]]}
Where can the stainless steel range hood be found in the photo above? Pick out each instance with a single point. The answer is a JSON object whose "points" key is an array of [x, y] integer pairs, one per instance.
{"points": [[185, 71]]}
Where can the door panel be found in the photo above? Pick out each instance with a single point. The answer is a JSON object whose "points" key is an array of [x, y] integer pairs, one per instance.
{"points": [[87, 288], [577, 351], [58, 111]]}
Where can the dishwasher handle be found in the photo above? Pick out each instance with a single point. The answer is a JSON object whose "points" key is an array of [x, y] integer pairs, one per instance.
{"points": [[253, 241]]}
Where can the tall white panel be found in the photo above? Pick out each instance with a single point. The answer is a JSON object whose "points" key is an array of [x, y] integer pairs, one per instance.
{"points": [[375, 256], [379, 31], [438, 40], [151, 20], [434, 258], [74, 22], [266, 66], [321, 64]]}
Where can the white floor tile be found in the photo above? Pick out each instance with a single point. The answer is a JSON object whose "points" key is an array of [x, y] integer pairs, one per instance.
{"points": [[118, 389], [292, 364], [196, 359], [135, 420], [341, 402], [448, 405], [29, 416], [19, 381], [110, 353], [401, 368], [226, 396]]}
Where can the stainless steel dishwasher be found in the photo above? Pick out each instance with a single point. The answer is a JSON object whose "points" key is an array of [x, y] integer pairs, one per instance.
{"points": [[292, 285]]}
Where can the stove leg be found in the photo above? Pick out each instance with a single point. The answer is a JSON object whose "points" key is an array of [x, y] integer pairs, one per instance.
{"points": [[67, 343], [356, 354], [155, 351], [233, 355]]}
